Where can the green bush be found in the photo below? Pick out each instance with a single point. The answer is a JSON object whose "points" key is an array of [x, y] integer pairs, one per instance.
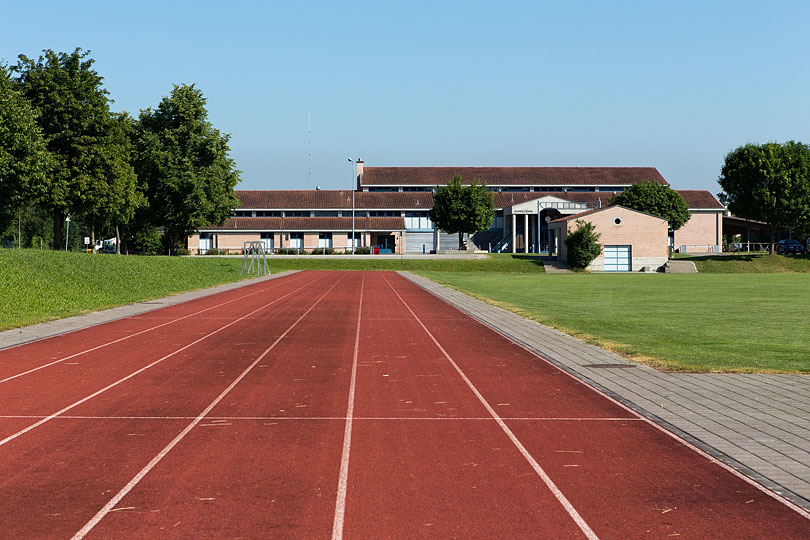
{"points": [[323, 251], [362, 251], [183, 251], [583, 245], [147, 242]]}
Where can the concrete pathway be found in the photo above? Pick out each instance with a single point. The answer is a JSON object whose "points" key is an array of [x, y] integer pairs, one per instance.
{"points": [[758, 424]]}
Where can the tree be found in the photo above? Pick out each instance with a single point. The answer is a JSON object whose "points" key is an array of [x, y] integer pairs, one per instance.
{"points": [[75, 120], [462, 209], [112, 199], [183, 166], [655, 199], [583, 245], [24, 157], [770, 183]]}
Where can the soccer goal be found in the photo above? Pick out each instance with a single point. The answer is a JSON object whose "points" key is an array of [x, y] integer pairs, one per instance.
{"points": [[255, 260]]}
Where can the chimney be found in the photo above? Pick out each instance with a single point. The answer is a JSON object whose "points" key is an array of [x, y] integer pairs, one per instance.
{"points": [[359, 163]]}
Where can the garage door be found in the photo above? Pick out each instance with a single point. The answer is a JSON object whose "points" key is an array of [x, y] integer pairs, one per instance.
{"points": [[617, 258], [415, 240]]}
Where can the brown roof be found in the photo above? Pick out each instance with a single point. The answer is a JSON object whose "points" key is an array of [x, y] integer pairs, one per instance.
{"points": [[406, 200], [525, 176], [595, 210], [700, 198], [310, 224], [332, 199], [503, 199]]}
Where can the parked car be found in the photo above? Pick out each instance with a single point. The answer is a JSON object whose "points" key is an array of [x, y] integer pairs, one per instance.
{"points": [[790, 246]]}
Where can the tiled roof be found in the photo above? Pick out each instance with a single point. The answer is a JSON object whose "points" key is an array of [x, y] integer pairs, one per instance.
{"points": [[332, 199], [595, 210], [699, 198], [524, 176], [310, 224], [509, 198]]}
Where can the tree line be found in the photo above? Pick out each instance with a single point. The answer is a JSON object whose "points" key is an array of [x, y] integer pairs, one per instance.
{"points": [[149, 182]]}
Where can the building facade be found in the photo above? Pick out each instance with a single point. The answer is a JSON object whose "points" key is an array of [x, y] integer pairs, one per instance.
{"points": [[389, 211]]}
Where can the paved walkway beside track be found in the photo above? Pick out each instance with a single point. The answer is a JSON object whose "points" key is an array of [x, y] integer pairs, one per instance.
{"points": [[758, 424]]}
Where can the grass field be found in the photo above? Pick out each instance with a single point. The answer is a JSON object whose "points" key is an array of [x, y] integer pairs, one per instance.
{"points": [[732, 317], [37, 286], [754, 263], [705, 322]]}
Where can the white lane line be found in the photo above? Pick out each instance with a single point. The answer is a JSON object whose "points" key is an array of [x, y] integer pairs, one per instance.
{"points": [[155, 460], [339, 418], [748, 480], [131, 375], [583, 526], [49, 364], [340, 503]]}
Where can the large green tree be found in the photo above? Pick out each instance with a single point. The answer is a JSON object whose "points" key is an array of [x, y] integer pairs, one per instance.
{"points": [[24, 157], [88, 158], [183, 166], [655, 199], [770, 183], [462, 209]]}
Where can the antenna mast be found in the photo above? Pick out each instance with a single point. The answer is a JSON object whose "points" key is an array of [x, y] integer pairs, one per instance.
{"points": [[309, 134]]}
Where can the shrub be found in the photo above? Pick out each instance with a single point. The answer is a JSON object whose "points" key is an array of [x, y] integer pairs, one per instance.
{"points": [[147, 242], [183, 251], [583, 245], [362, 250], [323, 251]]}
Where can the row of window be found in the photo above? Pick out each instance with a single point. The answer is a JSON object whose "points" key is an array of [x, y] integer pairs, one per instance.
{"points": [[323, 213]]}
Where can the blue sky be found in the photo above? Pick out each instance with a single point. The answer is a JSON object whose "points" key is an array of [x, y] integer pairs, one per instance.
{"points": [[674, 85]]}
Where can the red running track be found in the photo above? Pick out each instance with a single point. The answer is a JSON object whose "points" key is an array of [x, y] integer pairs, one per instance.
{"points": [[342, 405]]}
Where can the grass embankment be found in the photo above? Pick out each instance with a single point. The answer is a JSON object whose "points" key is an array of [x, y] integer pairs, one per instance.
{"points": [[37, 286], [705, 322], [501, 263], [751, 263]]}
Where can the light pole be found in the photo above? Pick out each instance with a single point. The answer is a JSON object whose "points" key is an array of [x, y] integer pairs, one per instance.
{"points": [[354, 179], [67, 235]]}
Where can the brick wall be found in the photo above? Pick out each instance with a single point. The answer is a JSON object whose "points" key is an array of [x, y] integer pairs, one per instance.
{"points": [[702, 232], [646, 234]]}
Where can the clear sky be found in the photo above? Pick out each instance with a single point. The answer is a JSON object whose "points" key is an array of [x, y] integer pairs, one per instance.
{"points": [[670, 84]]}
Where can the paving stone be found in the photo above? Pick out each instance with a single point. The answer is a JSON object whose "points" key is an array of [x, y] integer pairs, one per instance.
{"points": [[757, 423]]}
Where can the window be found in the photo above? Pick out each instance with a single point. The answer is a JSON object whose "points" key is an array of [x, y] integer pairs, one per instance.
{"points": [[267, 240], [242, 213], [384, 213], [297, 213], [418, 220], [326, 214], [325, 240], [268, 213], [296, 240]]}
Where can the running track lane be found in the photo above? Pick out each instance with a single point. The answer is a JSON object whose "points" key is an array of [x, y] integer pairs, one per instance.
{"points": [[449, 426], [53, 478]]}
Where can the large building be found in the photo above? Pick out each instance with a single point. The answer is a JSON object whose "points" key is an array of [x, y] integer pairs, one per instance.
{"points": [[389, 211]]}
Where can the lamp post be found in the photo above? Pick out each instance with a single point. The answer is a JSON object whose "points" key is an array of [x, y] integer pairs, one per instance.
{"points": [[354, 179], [67, 235]]}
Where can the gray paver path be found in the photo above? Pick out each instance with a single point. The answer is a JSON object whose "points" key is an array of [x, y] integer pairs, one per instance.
{"points": [[757, 424]]}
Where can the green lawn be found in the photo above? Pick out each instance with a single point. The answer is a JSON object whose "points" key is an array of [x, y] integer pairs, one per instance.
{"points": [[753, 263], [705, 322], [37, 286], [731, 317]]}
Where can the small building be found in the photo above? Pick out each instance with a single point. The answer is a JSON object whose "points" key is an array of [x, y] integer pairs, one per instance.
{"points": [[631, 240]]}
